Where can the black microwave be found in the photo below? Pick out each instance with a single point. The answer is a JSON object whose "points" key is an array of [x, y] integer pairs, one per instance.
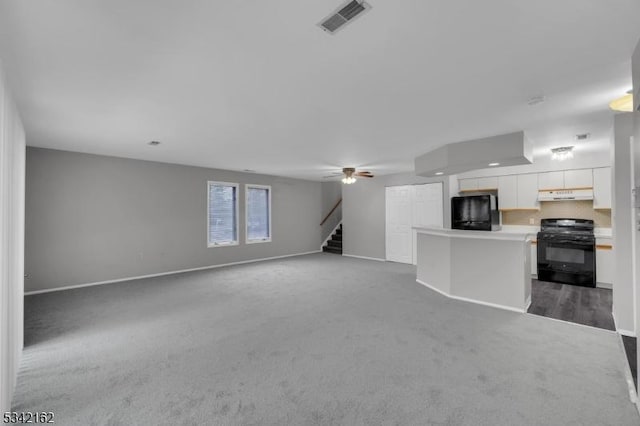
{"points": [[475, 213]]}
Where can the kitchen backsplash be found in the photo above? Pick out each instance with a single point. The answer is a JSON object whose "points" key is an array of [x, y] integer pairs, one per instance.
{"points": [[551, 209]]}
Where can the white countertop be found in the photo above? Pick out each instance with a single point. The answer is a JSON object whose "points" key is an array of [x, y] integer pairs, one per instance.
{"points": [[487, 235], [508, 232], [531, 229]]}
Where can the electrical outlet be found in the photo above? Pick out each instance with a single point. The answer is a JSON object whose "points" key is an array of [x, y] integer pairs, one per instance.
{"points": [[532, 221]]}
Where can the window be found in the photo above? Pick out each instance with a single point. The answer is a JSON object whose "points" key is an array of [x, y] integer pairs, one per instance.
{"points": [[258, 213], [222, 214]]}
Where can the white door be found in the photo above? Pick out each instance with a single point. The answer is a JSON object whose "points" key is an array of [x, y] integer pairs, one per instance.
{"points": [[398, 224], [427, 210]]}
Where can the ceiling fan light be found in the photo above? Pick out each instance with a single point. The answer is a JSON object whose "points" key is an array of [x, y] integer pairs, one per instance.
{"points": [[623, 104], [348, 180]]}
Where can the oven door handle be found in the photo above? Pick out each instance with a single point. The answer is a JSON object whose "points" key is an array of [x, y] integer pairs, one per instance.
{"points": [[571, 242]]}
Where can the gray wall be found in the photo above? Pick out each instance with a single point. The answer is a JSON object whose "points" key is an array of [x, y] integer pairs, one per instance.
{"points": [[331, 193], [93, 218], [12, 159], [363, 212], [622, 222]]}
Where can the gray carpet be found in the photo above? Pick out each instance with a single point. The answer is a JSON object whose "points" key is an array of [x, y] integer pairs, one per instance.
{"points": [[313, 340]]}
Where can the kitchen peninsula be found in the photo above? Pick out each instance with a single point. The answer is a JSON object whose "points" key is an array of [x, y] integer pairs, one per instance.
{"points": [[489, 268]]}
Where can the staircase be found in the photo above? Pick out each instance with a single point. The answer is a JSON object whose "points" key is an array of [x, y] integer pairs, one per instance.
{"points": [[334, 245]]}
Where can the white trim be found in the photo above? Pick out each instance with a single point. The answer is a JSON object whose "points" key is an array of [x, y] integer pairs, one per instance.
{"points": [[377, 259], [572, 323], [330, 235], [246, 213], [527, 304], [478, 302], [181, 271], [628, 333], [237, 196], [608, 286]]}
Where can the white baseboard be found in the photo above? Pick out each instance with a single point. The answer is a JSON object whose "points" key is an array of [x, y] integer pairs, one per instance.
{"points": [[181, 271], [572, 323], [330, 235], [364, 257], [622, 331], [608, 286], [478, 302]]}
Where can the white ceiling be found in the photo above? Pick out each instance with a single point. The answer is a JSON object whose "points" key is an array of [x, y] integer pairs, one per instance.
{"points": [[250, 84]]}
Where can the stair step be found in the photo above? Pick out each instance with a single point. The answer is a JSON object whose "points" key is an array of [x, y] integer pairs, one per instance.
{"points": [[336, 244], [336, 238], [338, 232], [331, 250]]}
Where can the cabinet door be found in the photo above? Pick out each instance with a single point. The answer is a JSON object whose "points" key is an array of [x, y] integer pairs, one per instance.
{"points": [[578, 179], [550, 180], [468, 184], [528, 191], [488, 183], [399, 242], [602, 188], [508, 192], [604, 265]]}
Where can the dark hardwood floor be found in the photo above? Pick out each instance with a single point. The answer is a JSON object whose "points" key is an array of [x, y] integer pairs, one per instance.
{"points": [[631, 351], [581, 305]]}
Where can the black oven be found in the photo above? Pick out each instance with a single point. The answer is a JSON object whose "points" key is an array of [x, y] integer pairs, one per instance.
{"points": [[566, 254]]}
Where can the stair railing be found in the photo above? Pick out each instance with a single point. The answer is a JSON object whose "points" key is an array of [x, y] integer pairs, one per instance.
{"points": [[330, 212]]}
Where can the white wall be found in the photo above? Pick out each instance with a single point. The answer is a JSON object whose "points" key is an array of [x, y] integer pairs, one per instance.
{"points": [[12, 178], [622, 224]]}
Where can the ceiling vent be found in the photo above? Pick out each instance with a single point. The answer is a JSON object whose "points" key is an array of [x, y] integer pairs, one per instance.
{"points": [[582, 136], [343, 15]]}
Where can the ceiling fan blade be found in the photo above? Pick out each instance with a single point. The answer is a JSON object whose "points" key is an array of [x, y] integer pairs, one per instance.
{"points": [[332, 175], [364, 174]]}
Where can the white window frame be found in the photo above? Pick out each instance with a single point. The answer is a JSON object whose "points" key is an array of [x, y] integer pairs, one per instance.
{"points": [[246, 213], [237, 187]]}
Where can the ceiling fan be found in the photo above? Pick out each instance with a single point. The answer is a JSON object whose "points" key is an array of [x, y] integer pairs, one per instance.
{"points": [[350, 175]]}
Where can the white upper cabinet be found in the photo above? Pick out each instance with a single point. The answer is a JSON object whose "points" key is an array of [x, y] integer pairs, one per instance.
{"points": [[518, 192], [567, 179], [602, 188], [468, 184], [550, 180], [508, 192], [528, 191], [578, 179], [478, 184], [488, 183]]}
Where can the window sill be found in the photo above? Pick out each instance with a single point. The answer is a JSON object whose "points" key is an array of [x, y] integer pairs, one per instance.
{"points": [[235, 243], [258, 241]]}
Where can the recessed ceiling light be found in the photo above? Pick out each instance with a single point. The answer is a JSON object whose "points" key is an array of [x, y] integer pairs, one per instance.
{"points": [[439, 173], [154, 143], [493, 164]]}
